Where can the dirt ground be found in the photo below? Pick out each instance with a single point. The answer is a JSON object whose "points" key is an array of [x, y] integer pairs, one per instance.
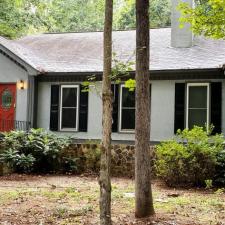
{"points": [[65, 200]]}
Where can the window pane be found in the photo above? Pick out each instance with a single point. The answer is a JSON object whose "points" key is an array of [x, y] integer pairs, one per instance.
{"points": [[69, 118], [69, 98], [197, 117], [128, 119], [128, 98], [197, 97], [7, 99]]}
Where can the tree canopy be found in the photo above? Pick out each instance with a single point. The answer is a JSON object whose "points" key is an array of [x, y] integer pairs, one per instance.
{"points": [[207, 18], [159, 14], [11, 19], [21, 17]]}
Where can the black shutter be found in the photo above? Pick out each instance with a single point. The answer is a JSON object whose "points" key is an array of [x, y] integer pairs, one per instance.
{"points": [[179, 106], [216, 106], [54, 110], [115, 91], [150, 94], [83, 111]]}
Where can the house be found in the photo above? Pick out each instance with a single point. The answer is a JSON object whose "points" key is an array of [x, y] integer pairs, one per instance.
{"points": [[41, 76]]}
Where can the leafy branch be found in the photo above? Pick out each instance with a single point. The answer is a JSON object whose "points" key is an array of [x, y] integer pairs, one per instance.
{"points": [[207, 18], [120, 71]]}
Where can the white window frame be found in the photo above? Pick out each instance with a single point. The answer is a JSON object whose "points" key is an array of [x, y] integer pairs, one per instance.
{"points": [[77, 113], [187, 103], [120, 113]]}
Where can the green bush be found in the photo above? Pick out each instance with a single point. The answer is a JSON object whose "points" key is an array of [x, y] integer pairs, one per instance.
{"points": [[36, 150], [190, 158], [18, 160], [70, 164], [219, 178], [92, 159]]}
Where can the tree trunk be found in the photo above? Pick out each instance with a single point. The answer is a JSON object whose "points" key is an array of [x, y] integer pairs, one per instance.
{"points": [[143, 191], [104, 180]]}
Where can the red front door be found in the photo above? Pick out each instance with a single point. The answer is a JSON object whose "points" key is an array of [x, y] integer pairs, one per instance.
{"points": [[7, 106]]}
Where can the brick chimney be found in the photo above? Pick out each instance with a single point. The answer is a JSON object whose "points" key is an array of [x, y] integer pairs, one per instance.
{"points": [[180, 37]]}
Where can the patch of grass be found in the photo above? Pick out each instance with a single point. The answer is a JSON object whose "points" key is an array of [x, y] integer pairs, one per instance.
{"points": [[71, 193], [70, 190], [7, 196], [202, 203], [53, 194], [117, 194], [60, 212], [118, 198], [201, 207], [66, 212], [209, 203]]}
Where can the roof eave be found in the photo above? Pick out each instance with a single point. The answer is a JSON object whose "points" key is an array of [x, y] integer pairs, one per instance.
{"points": [[180, 74]]}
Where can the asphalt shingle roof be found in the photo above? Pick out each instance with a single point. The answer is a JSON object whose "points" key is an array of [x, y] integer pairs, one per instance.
{"points": [[82, 52]]}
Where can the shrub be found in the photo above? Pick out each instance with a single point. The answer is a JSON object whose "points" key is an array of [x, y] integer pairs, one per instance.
{"points": [[189, 159], [36, 150], [92, 159], [70, 164], [219, 177], [16, 160]]}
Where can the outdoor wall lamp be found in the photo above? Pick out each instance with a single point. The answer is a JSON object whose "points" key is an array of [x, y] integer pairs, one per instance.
{"points": [[21, 85]]}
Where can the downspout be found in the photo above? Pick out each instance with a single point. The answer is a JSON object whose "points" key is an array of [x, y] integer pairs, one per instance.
{"points": [[32, 101]]}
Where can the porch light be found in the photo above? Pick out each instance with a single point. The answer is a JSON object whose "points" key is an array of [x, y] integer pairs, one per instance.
{"points": [[21, 85]]}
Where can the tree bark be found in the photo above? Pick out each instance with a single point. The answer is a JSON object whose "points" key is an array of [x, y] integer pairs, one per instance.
{"points": [[105, 180], [143, 192]]}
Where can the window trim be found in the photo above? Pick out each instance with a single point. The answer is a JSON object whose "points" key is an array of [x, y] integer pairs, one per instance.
{"points": [[120, 113], [208, 101], [60, 108]]}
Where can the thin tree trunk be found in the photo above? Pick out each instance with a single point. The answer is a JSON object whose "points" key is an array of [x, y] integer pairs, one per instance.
{"points": [[104, 180], [143, 191]]}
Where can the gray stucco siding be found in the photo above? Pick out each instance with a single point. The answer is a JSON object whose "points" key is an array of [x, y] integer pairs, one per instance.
{"points": [[162, 118], [12, 73], [163, 107], [162, 111], [94, 113], [43, 109]]}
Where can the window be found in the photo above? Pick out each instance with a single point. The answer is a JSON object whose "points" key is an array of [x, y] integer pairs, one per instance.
{"points": [[7, 99], [69, 107], [197, 111], [127, 109]]}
